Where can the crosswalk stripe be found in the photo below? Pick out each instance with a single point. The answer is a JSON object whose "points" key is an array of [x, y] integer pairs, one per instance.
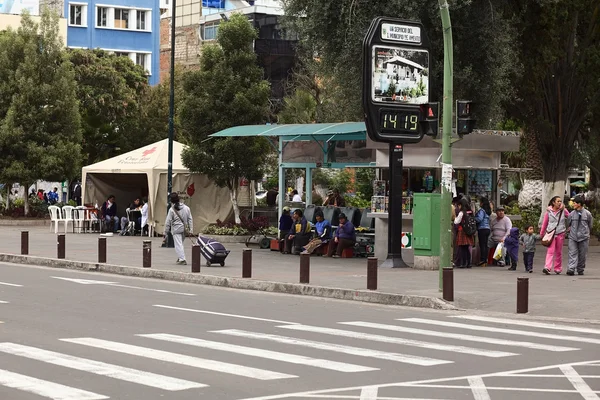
{"points": [[10, 284], [99, 368], [459, 336], [262, 353], [46, 389], [449, 324], [3, 302], [531, 324], [401, 341], [181, 359], [338, 348]]}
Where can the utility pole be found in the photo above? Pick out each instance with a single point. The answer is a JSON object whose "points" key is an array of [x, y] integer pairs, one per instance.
{"points": [[169, 241], [446, 201]]}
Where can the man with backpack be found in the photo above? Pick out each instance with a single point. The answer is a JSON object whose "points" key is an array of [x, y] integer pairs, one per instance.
{"points": [[499, 230]]}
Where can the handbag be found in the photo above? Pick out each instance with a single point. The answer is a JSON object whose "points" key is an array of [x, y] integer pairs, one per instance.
{"points": [[548, 237], [185, 227], [498, 252]]}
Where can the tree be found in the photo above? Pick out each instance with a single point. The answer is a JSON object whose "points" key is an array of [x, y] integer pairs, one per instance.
{"points": [[109, 89], [332, 32], [40, 131], [228, 90], [560, 53]]}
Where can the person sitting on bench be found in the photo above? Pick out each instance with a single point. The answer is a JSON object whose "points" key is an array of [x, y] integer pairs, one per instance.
{"points": [[345, 237], [322, 233], [299, 234]]}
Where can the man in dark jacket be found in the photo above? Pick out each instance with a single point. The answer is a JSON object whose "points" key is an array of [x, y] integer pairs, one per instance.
{"points": [[109, 213], [299, 235], [345, 237]]}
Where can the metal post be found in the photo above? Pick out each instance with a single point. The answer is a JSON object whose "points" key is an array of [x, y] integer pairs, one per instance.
{"points": [[446, 200], [24, 242], [196, 259], [304, 268], [372, 273], [281, 170], [247, 263], [102, 250], [394, 258], [169, 239], [448, 278], [147, 254], [522, 295], [61, 246]]}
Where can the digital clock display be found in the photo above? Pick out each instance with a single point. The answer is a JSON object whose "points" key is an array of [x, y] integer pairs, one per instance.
{"points": [[392, 121]]}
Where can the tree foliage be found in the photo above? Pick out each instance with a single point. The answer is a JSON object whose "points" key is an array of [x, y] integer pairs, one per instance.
{"points": [[228, 90], [109, 89], [40, 134]]}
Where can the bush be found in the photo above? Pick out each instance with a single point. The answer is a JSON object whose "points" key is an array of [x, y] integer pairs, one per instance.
{"points": [[248, 226], [529, 216]]}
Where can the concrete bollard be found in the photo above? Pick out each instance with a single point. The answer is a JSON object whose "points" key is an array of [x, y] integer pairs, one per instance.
{"points": [[61, 246], [372, 273], [147, 254], [522, 295], [24, 242], [448, 284], [196, 259], [304, 268], [247, 263], [101, 250]]}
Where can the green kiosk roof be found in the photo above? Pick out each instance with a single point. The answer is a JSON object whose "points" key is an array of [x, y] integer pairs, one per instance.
{"points": [[300, 132]]}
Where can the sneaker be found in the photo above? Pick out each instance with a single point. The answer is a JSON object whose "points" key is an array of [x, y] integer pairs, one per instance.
{"points": [[530, 271], [570, 273], [512, 268], [557, 272], [546, 271], [482, 264], [335, 256], [580, 273], [181, 262]]}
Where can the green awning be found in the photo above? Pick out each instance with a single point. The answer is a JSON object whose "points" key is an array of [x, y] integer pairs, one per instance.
{"points": [[300, 132]]}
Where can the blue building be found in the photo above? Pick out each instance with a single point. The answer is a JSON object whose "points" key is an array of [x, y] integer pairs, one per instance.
{"points": [[129, 28]]}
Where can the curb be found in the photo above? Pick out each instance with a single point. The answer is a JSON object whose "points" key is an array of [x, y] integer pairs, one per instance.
{"points": [[239, 283]]}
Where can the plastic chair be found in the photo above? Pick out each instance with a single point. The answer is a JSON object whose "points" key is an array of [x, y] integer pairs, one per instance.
{"points": [[310, 212], [81, 217], [68, 216], [352, 214], [332, 214], [55, 217]]}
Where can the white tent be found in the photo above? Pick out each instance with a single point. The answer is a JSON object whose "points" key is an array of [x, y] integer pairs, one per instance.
{"points": [[143, 172]]}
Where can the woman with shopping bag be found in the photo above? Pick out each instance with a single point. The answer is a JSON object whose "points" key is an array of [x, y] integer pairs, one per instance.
{"points": [[553, 232]]}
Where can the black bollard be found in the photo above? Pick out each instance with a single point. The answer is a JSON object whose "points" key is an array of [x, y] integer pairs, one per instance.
{"points": [[522, 295], [102, 250], [304, 268], [24, 242], [61, 246], [196, 259], [448, 284], [247, 263], [372, 273], [147, 254]]}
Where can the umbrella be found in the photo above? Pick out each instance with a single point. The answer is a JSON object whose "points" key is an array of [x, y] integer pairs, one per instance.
{"points": [[578, 184]]}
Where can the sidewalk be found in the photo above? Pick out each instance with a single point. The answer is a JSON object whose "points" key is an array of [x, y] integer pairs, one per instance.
{"points": [[489, 289]]}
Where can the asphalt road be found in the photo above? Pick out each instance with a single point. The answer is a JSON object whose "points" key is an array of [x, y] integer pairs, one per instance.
{"points": [[70, 335]]}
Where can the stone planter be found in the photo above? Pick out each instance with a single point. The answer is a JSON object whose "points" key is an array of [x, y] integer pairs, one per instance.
{"points": [[24, 222], [229, 238]]}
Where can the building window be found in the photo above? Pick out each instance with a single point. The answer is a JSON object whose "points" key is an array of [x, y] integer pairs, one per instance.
{"points": [[77, 15], [210, 31], [141, 20], [102, 19], [121, 54], [143, 60], [121, 18]]}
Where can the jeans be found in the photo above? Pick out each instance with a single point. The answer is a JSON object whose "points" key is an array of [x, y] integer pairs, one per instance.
{"points": [[528, 260], [484, 235], [115, 220]]}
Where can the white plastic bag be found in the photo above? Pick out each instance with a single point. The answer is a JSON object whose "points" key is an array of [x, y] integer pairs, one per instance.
{"points": [[498, 252]]}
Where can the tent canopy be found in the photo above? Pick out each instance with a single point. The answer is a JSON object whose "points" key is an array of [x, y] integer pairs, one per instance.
{"points": [[143, 172]]}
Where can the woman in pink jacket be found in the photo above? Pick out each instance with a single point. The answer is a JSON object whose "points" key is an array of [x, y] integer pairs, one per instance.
{"points": [[555, 218]]}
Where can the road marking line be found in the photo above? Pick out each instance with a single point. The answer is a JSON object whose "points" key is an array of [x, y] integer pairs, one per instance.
{"points": [[545, 376], [578, 383], [459, 336], [423, 383], [99, 368], [10, 284], [116, 284], [181, 359], [531, 324], [401, 341], [501, 330], [369, 393], [3, 302], [224, 314], [341, 396], [46, 389], [478, 388], [508, 389], [262, 353], [339, 348]]}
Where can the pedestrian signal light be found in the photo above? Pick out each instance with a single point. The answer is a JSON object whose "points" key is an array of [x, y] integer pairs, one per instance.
{"points": [[430, 118], [465, 123]]}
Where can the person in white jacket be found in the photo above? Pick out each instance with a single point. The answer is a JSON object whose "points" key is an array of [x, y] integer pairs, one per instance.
{"points": [[179, 222]]}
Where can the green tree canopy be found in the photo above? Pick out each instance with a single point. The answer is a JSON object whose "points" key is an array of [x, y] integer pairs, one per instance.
{"points": [[40, 135], [109, 89], [227, 90]]}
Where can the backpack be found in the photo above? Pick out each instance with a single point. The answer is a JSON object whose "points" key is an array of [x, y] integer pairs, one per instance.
{"points": [[469, 224]]}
